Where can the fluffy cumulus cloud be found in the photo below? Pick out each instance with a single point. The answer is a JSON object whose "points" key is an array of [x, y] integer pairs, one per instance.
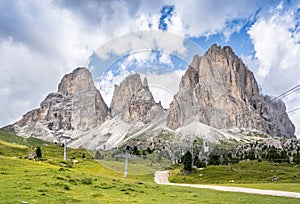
{"points": [[203, 18], [276, 40], [143, 40]]}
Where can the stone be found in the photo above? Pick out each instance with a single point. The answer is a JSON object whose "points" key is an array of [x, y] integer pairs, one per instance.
{"points": [[133, 100], [77, 105], [220, 91]]}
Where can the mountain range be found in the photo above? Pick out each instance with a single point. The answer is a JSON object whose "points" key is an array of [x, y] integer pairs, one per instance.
{"points": [[218, 100]]}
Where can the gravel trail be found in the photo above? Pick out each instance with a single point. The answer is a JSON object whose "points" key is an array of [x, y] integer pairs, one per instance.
{"points": [[161, 177]]}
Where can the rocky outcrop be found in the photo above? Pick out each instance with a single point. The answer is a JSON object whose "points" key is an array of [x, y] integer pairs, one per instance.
{"points": [[77, 105], [218, 90], [133, 101], [274, 113]]}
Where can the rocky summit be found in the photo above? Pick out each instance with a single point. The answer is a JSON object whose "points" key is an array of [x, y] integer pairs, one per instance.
{"points": [[218, 90], [217, 94], [77, 105], [134, 101]]}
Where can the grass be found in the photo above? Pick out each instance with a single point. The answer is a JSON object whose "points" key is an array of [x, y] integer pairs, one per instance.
{"points": [[137, 165], [243, 172], [12, 138], [133, 168], [50, 181], [246, 174], [88, 182]]}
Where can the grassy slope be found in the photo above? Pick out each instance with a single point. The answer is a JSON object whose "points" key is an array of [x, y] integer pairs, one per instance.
{"points": [[88, 182], [246, 174]]}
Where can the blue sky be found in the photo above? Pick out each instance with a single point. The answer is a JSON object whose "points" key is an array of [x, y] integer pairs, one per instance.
{"points": [[40, 41]]}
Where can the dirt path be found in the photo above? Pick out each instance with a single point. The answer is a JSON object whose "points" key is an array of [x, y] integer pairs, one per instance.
{"points": [[161, 177]]}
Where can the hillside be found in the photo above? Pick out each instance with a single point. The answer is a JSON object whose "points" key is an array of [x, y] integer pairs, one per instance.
{"points": [[245, 172], [54, 181]]}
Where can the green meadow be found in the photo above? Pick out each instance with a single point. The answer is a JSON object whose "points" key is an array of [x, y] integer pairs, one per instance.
{"points": [[252, 174], [52, 180]]}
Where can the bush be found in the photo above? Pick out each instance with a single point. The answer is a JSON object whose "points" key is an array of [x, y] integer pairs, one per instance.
{"points": [[214, 159], [87, 181], [136, 151], [273, 155], [200, 164], [66, 187]]}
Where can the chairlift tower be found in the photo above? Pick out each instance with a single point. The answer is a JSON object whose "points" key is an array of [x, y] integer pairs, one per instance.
{"points": [[65, 137], [205, 145], [126, 156]]}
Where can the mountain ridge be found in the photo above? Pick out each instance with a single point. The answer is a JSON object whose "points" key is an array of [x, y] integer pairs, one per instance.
{"points": [[217, 90]]}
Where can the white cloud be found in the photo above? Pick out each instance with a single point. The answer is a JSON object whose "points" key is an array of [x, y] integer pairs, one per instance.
{"points": [[140, 58], [143, 40], [166, 59], [196, 18], [192, 18], [276, 42], [164, 86], [277, 49], [21, 88]]}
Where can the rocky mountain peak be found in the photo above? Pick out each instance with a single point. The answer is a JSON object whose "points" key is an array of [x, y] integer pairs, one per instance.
{"points": [[220, 91], [224, 55], [77, 105], [133, 100], [124, 92], [217, 49], [79, 80], [145, 84]]}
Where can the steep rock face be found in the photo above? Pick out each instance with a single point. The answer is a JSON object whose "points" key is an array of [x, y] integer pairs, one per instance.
{"points": [[76, 105], [134, 101], [274, 112], [218, 90]]}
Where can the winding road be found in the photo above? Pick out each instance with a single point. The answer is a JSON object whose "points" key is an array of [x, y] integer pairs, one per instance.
{"points": [[161, 177]]}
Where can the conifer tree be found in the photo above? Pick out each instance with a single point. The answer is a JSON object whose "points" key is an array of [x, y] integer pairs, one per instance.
{"points": [[38, 152], [187, 161]]}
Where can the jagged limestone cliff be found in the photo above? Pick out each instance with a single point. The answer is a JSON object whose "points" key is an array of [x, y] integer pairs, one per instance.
{"points": [[134, 101], [218, 90], [77, 105]]}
